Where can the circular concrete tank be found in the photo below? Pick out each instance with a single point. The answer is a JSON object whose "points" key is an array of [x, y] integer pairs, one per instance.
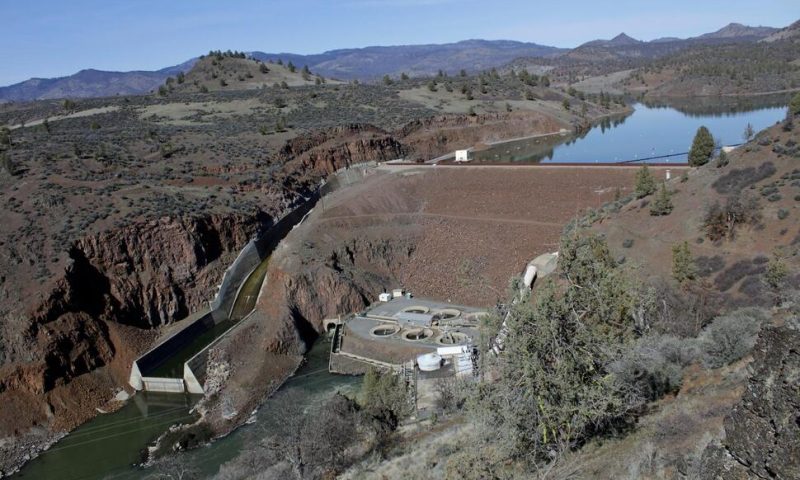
{"points": [[384, 330], [476, 317], [417, 309], [448, 313], [417, 334], [429, 362], [452, 338]]}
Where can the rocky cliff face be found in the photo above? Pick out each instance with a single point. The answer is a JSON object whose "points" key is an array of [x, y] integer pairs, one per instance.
{"points": [[144, 275], [435, 136], [332, 279], [762, 432], [321, 153]]}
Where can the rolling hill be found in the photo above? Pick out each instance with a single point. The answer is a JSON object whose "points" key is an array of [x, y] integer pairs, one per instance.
{"points": [[91, 83], [415, 60]]}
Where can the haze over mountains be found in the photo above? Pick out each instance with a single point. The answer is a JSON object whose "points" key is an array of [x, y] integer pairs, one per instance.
{"points": [[371, 63]]}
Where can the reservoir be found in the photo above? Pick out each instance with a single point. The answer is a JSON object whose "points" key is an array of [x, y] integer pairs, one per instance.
{"points": [[655, 130]]}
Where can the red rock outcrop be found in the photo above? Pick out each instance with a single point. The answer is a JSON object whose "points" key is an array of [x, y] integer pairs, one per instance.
{"points": [[435, 136], [322, 153]]}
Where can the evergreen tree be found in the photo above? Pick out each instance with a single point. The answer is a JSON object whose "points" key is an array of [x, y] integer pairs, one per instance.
{"points": [[722, 159], [403, 76], [683, 267], [8, 164], [645, 183], [387, 80], [794, 106], [662, 205], [748, 132], [554, 388], [702, 147]]}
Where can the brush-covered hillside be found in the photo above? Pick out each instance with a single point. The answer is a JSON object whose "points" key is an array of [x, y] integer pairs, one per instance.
{"points": [[228, 71], [664, 346]]}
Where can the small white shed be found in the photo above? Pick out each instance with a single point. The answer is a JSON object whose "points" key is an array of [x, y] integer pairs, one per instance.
{"points": [[384, 297], [462, 155]]}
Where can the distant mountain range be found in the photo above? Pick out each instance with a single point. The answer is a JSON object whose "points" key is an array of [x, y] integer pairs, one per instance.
{"points": [[91, 83], [370, 63], [374, 62], [625, 47]]}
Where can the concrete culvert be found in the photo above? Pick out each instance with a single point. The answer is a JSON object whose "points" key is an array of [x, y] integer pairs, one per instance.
{"points": [[417, 334], [417, 309], [452, 338], [385, 330]]}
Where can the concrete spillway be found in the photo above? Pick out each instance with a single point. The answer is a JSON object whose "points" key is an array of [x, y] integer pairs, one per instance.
{"points": [[178, 364]]}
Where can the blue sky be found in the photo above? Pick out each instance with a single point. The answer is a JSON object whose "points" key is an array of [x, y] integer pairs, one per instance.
{"points": [[53, 38]]}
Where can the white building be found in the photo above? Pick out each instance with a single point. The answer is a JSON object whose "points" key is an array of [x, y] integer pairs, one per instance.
{"points": [[462, 155]]}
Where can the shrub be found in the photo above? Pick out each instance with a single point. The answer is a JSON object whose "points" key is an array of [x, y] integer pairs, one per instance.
{"points": [[653, 367], [627, 243], [730, 337], [739, 270], [662, 205], [783, 214], [722, 159], [8, 164], [738, 179], [739, 209], [708, 265], [384, 394], [776, 274]]}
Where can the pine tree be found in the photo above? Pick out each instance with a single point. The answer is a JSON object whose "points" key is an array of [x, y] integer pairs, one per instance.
{"points": [[645, 183], [662, 205], [702, 147], [683, 268], [794, 106], [748, 132], [722, 159]]}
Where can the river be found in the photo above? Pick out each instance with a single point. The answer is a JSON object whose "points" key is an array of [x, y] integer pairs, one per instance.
{"points": [[109, 445]]}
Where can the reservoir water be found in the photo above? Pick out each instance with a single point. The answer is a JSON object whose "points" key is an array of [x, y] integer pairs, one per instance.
{"points": [[111, 444], [650, 131]]}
